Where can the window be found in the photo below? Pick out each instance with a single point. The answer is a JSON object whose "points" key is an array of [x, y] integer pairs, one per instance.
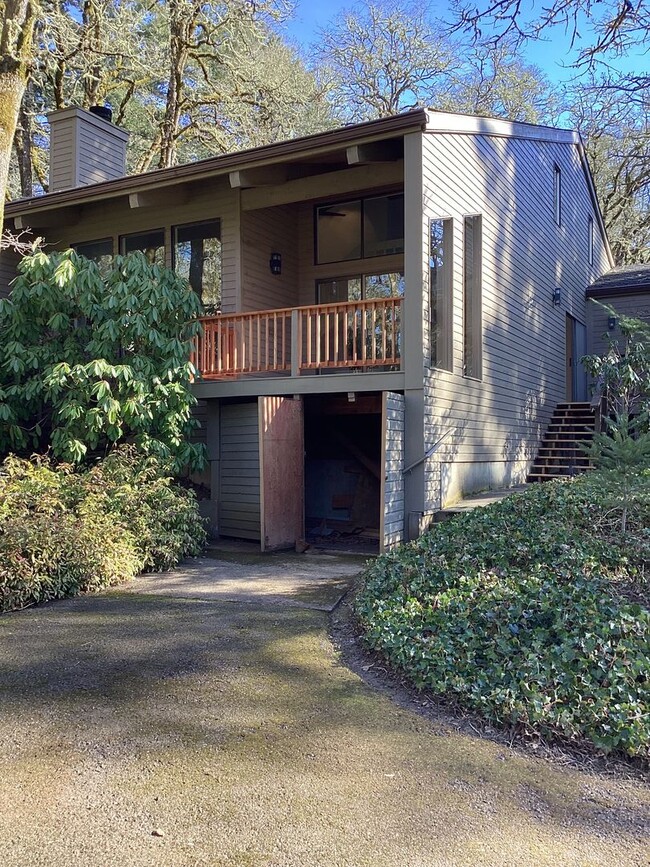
{"points": [[99, 251], [472, 302], [441, 292], [197, 258], [557, 194], [590, 240], [342, 289], [152, 244], [360, 229]]}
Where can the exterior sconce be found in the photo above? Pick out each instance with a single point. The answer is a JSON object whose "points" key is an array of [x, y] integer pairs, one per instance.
{"points": [[557, 296], [275, 263], [612, 322]]}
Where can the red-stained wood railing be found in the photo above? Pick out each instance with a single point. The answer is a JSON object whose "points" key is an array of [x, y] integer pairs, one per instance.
{"points": [[234, 344], [362, 334], [352, 334]]}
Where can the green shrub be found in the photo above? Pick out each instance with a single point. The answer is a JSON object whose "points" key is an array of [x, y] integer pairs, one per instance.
{"points": [[529, 612], [65, 532]]}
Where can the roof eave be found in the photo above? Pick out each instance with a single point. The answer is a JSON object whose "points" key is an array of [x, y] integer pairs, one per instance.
{"points": [[411, 121]]}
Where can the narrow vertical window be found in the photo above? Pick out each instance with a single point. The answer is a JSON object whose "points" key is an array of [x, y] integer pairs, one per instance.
{"points": [[557, 194], [472, 302], [590, 240], [441, 292], [197, 257]]}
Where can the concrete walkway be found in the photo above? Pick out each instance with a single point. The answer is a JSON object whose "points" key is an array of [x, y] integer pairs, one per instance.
{"points": [[191, 719]]}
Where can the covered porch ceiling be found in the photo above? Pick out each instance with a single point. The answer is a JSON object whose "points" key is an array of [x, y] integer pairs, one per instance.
{"points": [[266, 176]]}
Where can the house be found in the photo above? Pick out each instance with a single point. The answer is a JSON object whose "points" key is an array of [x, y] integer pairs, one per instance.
{"points": [[396, 306]]}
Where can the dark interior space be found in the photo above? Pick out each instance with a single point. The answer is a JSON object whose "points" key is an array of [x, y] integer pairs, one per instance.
{"points": [[343, 458]]}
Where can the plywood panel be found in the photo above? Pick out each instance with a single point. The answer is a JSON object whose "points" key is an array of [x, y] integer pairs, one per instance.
{"points": [[282, 471]]}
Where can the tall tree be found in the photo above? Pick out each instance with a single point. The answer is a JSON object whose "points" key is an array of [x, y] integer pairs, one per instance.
{"points": [[380, 58], [17, 25], [617, 139]]}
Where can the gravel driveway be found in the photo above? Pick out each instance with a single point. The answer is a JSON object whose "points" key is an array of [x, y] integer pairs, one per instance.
{"points": [[166, 724]]}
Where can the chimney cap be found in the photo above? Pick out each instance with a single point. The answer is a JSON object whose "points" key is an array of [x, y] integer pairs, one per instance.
{"points": [[102, 111]]}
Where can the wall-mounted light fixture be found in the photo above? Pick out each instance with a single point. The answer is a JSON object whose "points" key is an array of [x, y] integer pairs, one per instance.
{"points": [[557, 296], [275, 263], [612, 322]]}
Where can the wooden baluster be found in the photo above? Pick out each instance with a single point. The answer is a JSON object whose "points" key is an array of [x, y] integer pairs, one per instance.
{"points": [[384, 310]]}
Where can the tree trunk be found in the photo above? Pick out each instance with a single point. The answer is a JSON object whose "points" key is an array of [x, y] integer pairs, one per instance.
{"points": [[23, 146], [16, 48]]}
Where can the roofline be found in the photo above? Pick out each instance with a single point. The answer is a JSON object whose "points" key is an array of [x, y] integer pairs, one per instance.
{"points": [[214, 166], [596, 292], [594, 199], [472, 124], [469, 124]]}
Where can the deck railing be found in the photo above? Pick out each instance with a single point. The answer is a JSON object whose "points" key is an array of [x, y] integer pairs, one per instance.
{"points": [[354, 334]]}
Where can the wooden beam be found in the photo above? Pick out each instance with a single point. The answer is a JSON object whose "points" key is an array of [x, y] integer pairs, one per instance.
{"points": [[260, 177], [375, 152], [159, 198], [330, 184], [48, 219]]}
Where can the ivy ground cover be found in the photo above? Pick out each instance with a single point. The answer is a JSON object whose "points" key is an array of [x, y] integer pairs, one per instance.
{"points": [[532, 612]]}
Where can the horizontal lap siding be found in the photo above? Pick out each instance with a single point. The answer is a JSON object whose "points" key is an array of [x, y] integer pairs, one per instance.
{"points": [[271, 230], [101, 155], [393, 479], [635, 306], [525, 254], [239, 481], [8, 263]]}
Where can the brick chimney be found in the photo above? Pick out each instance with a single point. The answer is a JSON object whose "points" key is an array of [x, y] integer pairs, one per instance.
{"points": [[85, 148]]}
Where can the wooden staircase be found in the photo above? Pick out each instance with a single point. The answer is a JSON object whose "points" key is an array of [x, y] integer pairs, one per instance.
{"points": [[560, 455]]}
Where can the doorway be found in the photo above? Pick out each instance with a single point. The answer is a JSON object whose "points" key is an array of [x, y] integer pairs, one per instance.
{"points": [[343, 471], [576, 348]]}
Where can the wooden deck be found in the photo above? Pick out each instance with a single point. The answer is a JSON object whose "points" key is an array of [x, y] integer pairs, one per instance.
{"points": [[362, 335]]}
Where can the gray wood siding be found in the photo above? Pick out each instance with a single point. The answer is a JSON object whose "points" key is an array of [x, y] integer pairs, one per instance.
{"points": [[63, 149], [496, 423], [101, 156], [636, 306], [8, 263], [212, 200], [239, 480], [271, 230], [392, 480]]}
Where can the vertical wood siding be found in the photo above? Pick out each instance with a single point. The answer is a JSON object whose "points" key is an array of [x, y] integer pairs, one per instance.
{"points": [[239, 482], [498, 421]]}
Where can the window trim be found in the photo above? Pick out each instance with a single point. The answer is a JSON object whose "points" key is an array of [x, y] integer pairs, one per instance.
{"points": [[590, 240], [446, 352], [476, 311]]}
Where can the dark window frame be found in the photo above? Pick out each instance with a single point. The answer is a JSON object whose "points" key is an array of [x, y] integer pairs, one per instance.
{"points": [[108, 240], [362, 199], [122, 240]]}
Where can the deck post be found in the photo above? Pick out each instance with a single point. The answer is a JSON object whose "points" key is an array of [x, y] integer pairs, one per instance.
{"points": [[296, 342]]}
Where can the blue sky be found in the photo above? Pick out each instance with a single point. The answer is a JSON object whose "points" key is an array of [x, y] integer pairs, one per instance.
{"points": [[552, 55]]}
